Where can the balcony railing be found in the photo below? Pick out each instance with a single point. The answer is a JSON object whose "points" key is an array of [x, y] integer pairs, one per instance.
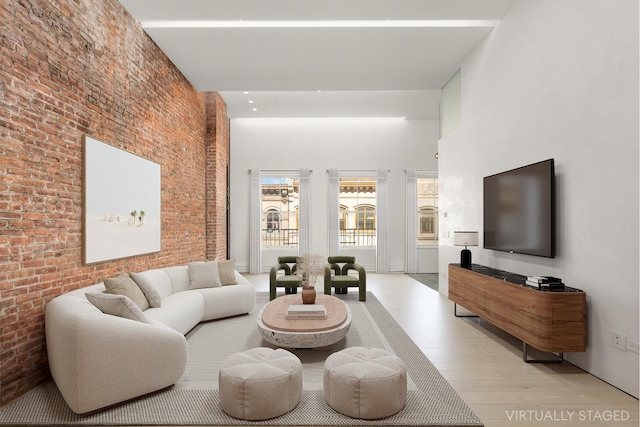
{"points": [[290, 237], [357, 237], [279, 237]]}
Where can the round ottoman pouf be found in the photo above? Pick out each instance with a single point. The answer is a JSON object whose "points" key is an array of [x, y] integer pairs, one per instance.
{"points": [[365, 383], [260, 383]]}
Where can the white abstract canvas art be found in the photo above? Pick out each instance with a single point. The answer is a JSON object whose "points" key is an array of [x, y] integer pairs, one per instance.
{"points": [[122, 197]]}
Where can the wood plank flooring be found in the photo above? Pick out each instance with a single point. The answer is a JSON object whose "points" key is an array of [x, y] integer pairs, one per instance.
{"points": [[484, 364]]}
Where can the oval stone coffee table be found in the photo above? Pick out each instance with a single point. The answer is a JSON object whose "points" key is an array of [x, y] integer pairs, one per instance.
{"points": [[276, 329]]}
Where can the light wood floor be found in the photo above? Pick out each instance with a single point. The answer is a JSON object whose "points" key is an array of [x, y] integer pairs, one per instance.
{"points": [[485, 365]]}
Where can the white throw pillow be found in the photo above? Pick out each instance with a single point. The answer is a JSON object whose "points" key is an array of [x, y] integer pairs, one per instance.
{"points": [[125, 285], [117, 305], [204, 275], [226, 270], [149, 291]]}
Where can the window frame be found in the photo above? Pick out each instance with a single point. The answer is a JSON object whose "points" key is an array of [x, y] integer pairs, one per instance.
{"points": [[424, 207], [285, 193], [350, 207]]}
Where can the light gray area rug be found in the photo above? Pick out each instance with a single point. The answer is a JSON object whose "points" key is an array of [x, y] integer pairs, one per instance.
{"points": [[431, 401]]}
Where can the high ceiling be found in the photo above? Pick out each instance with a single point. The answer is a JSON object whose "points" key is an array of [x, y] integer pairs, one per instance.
{"points": [[329, 58]]}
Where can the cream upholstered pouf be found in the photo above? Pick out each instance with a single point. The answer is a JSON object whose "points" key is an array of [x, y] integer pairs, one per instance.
{"points": [[260, 383], [365, 383]]}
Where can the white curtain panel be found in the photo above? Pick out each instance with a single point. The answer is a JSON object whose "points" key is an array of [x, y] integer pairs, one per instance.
{"points": [[304, 212], [255, 225], [411, 263], [382, 262], [334, 212]]}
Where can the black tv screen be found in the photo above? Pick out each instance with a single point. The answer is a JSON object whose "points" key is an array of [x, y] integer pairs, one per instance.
{"points": [[519, 210]]}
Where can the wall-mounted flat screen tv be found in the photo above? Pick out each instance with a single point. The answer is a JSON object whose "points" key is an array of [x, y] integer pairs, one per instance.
{"points": [[519, 210]]}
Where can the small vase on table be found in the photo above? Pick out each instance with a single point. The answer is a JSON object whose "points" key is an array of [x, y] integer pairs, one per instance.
{"points": [[308, 295]]}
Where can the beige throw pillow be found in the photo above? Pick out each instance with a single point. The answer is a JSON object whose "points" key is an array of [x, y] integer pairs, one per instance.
{"points": [[117, 305], [226, 270], [149, 291], [125, 285], [204, 275]]}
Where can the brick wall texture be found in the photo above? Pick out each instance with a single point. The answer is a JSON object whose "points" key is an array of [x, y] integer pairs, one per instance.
{"points": [[216, 175], [70, 68]]}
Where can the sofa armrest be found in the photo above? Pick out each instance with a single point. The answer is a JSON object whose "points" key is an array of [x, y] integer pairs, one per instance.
{"points": [[97, 359], [327, 279], [362, 274], [274, 269], [273, 275], [362, 278], [230, 300]]}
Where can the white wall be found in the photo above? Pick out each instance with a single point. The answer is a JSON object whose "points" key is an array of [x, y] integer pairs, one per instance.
{"points": [[321, 144], [428, 258], [559, 79]]}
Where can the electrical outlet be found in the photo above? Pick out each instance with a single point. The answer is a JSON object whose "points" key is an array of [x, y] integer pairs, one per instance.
{"points": [[633, 346], [619, 340]]}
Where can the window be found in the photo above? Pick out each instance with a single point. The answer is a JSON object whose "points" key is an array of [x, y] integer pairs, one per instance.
{"points": [[425, 216], [273, 220], [280, 201], [357, 198], [427, 197], [343, 217], [365, 218]]}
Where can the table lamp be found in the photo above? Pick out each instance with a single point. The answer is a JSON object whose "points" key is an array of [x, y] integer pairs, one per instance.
{"points": [[465, 238]]}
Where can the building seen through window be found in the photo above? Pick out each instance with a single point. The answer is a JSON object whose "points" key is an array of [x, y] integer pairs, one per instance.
{"points": [[280, 202], [357, 216], [427, 210], [358, 211]]}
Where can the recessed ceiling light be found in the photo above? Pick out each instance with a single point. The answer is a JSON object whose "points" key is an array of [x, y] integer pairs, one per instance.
{"points": [[254, 109], [246, 93], [250, 101]]}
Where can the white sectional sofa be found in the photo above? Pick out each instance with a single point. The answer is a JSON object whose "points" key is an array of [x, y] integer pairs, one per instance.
{"points": [[98, 359]]}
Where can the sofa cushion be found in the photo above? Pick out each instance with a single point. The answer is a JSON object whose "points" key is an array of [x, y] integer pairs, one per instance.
{"points": [[179, 276], [151, 293], [117, 305], [180, 311], [204, 275], [225, 301], [125, 285], [156, 279], [226, 270]]}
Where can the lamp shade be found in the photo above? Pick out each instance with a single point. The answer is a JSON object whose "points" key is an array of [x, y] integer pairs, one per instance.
{"points": [[465, 238]]}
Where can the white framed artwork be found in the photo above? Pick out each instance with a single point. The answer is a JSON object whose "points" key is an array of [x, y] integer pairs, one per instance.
{"points": [[122, 203]]}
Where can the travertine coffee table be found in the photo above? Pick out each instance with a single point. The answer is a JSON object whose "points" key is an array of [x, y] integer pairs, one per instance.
{"points": [[276, 329]]}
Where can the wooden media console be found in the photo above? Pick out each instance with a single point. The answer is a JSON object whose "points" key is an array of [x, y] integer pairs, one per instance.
{"points": [[551, 321]]}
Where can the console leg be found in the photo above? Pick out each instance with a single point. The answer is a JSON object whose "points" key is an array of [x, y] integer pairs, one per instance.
{"points": [[559, 358], [455, 312]]}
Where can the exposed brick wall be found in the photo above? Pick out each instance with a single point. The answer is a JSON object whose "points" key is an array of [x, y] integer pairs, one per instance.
{"points": [[217, 167], [70, 68]]}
